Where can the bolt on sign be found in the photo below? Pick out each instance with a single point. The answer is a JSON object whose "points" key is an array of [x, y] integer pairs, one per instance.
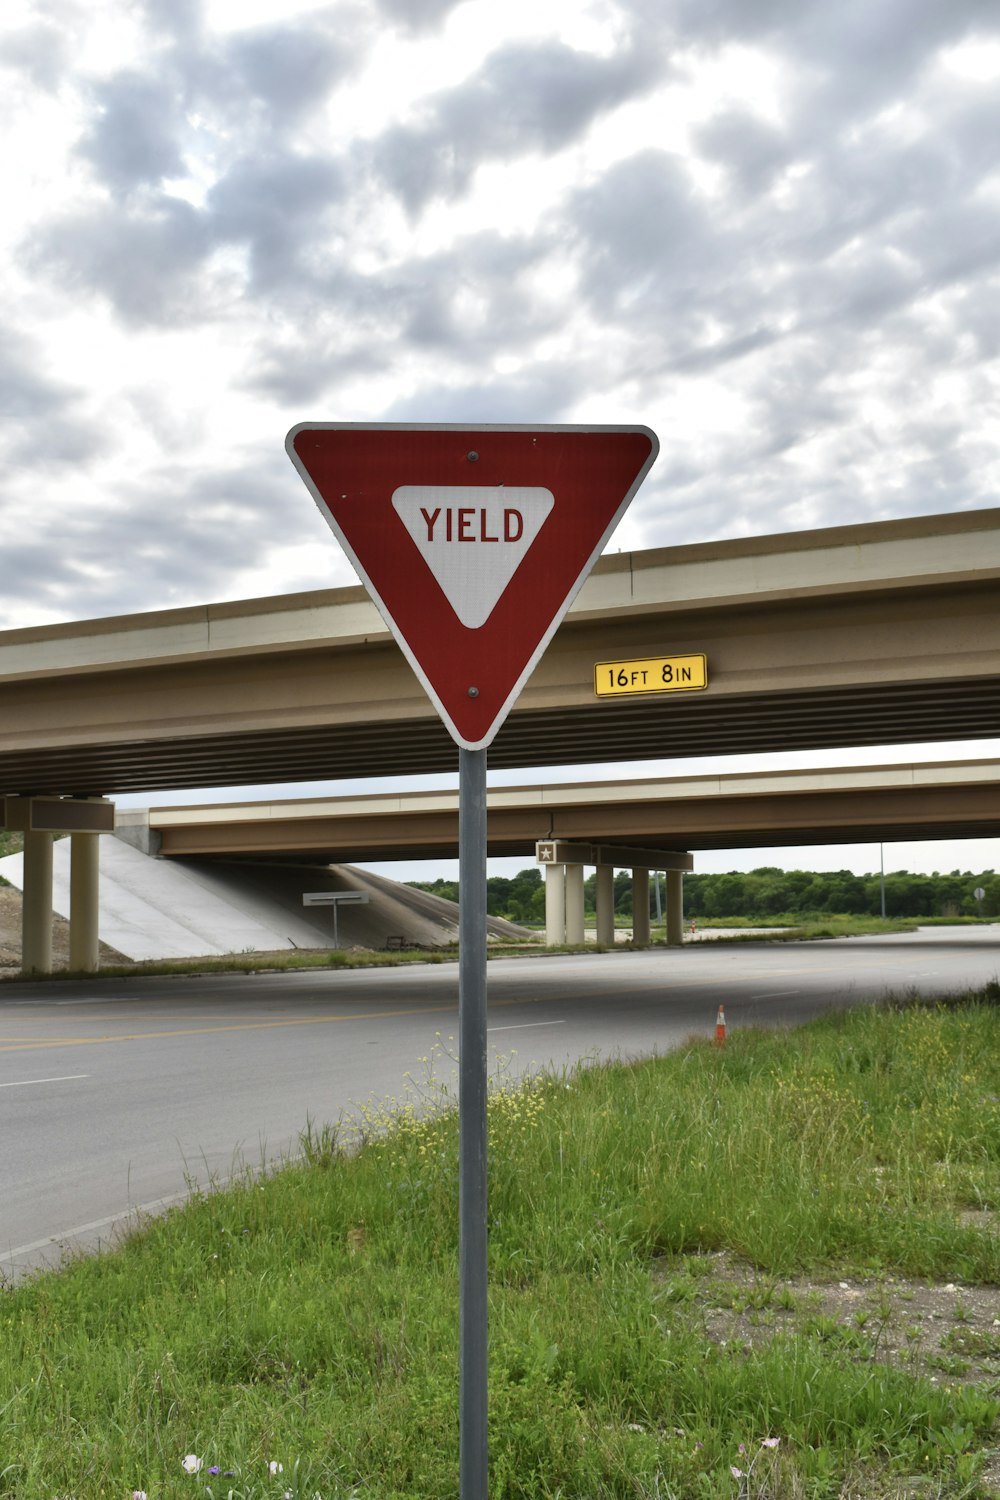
{"points": [[471, 541]]}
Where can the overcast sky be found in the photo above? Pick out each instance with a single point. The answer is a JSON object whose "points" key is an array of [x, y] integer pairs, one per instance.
{"points": [[768, 229]]}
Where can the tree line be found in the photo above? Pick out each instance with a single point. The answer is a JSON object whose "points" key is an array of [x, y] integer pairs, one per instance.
{"points": [[759, 894], [769, 892]]}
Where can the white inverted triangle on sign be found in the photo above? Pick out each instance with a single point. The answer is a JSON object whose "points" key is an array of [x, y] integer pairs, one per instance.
{"points": [[473, 538]]}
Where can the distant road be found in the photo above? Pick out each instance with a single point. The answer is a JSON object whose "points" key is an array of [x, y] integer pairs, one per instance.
{"points": [[115, 1094]]}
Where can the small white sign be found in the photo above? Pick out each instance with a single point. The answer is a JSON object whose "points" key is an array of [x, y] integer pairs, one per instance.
{"points": [[473, 538], [334, 898]]}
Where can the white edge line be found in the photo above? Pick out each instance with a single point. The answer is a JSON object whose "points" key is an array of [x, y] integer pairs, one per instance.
{"points": [[123, 1216], [20, 1083], [523, 1026]]}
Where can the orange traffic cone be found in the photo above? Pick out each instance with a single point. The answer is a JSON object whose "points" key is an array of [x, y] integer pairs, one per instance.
{"points": [[720, 1028]]}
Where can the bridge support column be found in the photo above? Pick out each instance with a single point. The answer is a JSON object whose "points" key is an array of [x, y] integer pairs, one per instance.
{"points": [[574, 905], [675, 908], [555, 905], [606, 905], [640, 908], [84, 879], [36, 906], [564, 860]]}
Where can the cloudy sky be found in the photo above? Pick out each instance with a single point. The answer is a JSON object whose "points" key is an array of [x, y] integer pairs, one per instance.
{"points": [[769, 229]]}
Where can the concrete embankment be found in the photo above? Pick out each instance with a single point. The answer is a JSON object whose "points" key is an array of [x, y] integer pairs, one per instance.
{"points": [[153, 908]]}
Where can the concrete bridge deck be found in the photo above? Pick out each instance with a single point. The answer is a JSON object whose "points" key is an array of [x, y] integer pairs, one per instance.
{"points": [[874, 634], [944, 799]]}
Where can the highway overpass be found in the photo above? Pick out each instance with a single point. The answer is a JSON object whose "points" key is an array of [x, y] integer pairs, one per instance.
{"points": [[875, 634], [642, 824], [943, 799]]}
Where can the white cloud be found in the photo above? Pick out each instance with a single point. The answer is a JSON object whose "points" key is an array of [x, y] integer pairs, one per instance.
{"points": [[770, 231]]}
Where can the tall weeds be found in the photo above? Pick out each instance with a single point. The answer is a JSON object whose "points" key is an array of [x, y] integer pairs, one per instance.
{"points": [[310, 1319]]}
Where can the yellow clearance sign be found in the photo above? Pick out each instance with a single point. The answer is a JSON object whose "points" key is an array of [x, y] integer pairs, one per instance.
{"points": [[651, 674]]}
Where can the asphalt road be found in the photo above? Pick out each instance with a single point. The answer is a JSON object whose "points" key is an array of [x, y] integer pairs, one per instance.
{"points": [[116, 1095]]}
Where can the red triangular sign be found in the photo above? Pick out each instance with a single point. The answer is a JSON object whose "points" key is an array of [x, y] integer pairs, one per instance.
{"points": [[472, 541]]}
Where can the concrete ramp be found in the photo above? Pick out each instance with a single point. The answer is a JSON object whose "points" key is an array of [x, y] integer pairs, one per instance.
{"points": [[153, 908]]}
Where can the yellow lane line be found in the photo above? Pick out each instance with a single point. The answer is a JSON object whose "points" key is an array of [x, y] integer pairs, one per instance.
{"points": [[140, 1036], [29, 1045]]}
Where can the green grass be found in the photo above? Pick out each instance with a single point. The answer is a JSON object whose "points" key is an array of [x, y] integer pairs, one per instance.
{"points": [[10, 843], [790, 919], [311, 1318], [794, 929]]}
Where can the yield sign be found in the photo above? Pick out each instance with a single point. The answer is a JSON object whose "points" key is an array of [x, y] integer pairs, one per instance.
{"points": [[472, 541]]}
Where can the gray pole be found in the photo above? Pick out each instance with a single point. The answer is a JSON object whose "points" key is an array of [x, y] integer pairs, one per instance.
{"points": [[473, 1461], [881, 871]]}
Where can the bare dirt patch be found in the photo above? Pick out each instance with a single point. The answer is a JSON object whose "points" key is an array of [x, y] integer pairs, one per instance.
{"points": [[10, 936], [946, 1332], [942, 1330]]}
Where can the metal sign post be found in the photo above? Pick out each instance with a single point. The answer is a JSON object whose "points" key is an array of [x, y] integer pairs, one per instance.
{"points": [[473, 1461], [334, 899]]}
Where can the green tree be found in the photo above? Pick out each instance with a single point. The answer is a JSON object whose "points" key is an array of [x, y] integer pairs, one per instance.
{"points": [[623, 893], [991, 900], [448, 889], [526, 902], [498, 895]]}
